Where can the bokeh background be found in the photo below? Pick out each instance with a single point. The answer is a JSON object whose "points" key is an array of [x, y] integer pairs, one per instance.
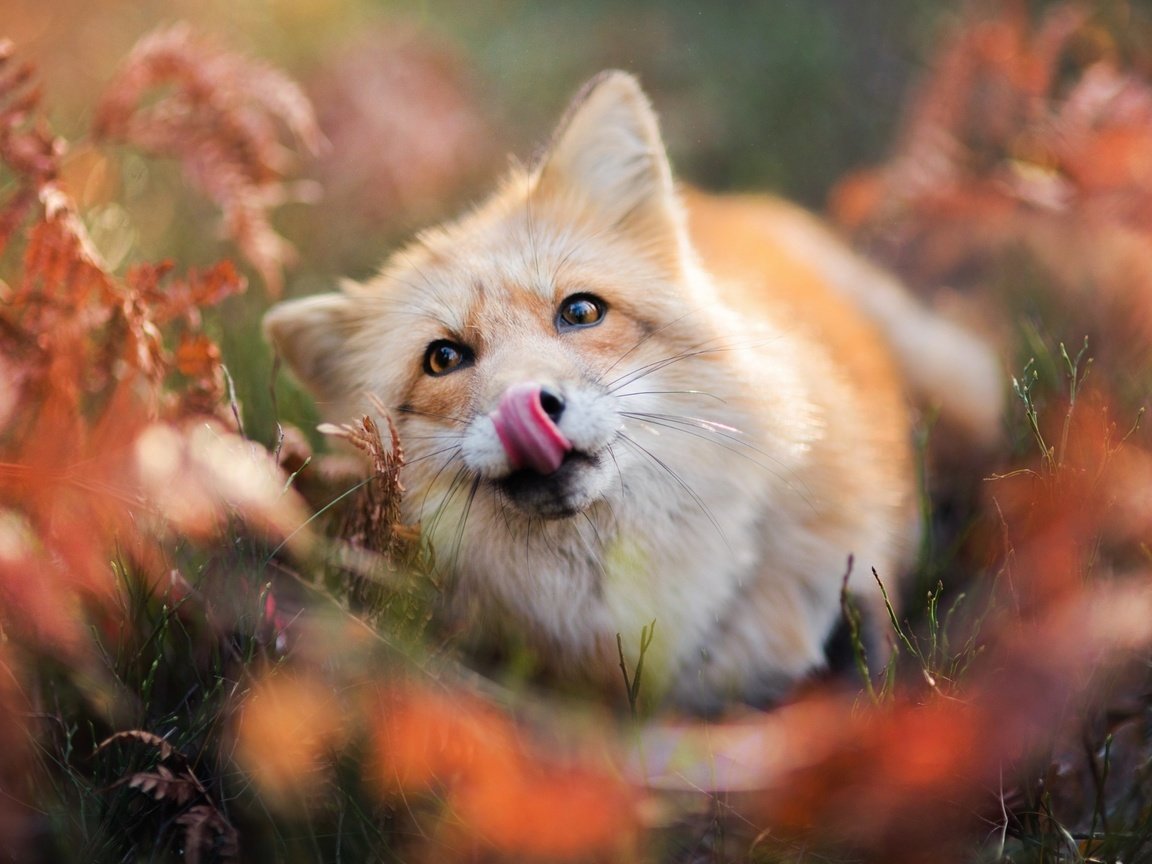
{"points": [[423, 103]]}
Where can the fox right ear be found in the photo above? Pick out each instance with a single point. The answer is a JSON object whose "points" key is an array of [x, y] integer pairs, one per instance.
{"points": [[311, 335], [608, 152]]}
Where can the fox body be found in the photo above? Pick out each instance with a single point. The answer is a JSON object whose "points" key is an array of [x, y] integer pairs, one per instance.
{"points": [[623, 403]]}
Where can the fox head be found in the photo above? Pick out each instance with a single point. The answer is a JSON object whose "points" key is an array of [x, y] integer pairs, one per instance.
{"points": [[513, 345]]}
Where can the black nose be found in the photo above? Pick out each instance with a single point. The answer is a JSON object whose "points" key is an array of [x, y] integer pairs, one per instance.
{"points": [[552, 403]]}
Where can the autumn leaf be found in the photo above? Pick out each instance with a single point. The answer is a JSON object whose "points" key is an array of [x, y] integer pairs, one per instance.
{"points": [[220, 114], [500, 793], [288, 729]]}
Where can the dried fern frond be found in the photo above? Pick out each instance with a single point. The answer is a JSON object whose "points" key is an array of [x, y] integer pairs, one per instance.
{"points": [[87, 370], [1031, 134], [378, 559], [163, 785], [70, 324], [208, 835], [222, 116], [153, 298], [27, 147], [165, 749], [374, 523]]}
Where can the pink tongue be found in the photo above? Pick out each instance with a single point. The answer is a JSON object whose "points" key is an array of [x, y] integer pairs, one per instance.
{"points": [[529, 436]]}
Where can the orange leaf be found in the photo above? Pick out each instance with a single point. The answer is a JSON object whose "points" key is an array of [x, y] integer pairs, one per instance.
{"points": [[198, 356], [288, 727]]}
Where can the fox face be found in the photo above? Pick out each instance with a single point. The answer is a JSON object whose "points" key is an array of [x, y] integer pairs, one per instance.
{"points": [[599, 438], [504, 346], [526, 381]]}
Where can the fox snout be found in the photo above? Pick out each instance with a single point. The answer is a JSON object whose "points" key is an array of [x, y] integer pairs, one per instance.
{"points": [[525, 421], [543, 446]]}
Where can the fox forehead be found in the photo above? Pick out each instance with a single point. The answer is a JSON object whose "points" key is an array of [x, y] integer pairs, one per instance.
{"points": [[504, 272]]}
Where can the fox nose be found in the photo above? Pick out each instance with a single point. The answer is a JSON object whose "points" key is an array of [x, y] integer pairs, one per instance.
{"points": [[525, 421], [552, 403]]}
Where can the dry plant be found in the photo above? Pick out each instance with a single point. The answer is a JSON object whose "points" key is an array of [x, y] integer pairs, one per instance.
{"points": [[114, 449], [374, 522], [384, 567], [1017, 198], [220, 114], [333, 745], [406, 129], [97, 429], [1026, 145], [208, 835]]}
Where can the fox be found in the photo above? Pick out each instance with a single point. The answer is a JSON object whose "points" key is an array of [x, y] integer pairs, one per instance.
{"points": [[643, 422]]}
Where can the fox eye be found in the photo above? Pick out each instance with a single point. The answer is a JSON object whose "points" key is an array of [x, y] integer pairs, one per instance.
{"points": [[442, 357], [580, 310]]}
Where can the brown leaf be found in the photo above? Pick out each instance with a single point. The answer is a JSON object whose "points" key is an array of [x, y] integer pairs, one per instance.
{"points": [[163, 785], [197, 356], [27, 148], [208, 835], [152, 740], [206, 831], [221, 115]]}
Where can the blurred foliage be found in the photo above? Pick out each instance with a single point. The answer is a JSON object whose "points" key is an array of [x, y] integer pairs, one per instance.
{"points": [[295, 727], [423, 103]]}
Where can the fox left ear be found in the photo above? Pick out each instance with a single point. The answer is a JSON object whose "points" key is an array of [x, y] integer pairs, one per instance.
{"points": [[311, 335], [607, 151]]}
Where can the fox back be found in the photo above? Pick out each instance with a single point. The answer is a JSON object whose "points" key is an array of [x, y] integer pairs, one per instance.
{"points": [[623, 405]]}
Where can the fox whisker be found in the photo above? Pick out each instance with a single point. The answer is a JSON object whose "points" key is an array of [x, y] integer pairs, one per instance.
{"points": [[702, 422], [595, 530], [454, 486], [647, 369], [619, 473], [407, 409], [697, 350], [424, 456], [707, 431], [457, 544], [679, 480], [673, 393], [640, 342], [431, 486]]}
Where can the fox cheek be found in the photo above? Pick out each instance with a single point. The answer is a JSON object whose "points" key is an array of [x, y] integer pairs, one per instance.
{"points": [[591, 420], [482, 449]]}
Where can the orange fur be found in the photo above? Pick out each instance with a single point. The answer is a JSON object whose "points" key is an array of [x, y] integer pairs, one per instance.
{"points": [[734, 420]]}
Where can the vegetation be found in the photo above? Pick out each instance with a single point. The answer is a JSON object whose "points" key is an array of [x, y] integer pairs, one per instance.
{"points": [[213, 640]]}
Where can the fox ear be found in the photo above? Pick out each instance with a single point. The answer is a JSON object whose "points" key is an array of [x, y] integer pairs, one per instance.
{"points": [[311, 335], [607, 150]]}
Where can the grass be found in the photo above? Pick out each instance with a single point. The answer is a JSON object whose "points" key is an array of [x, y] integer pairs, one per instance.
{"points": [[235, 696], [184, 660]]}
